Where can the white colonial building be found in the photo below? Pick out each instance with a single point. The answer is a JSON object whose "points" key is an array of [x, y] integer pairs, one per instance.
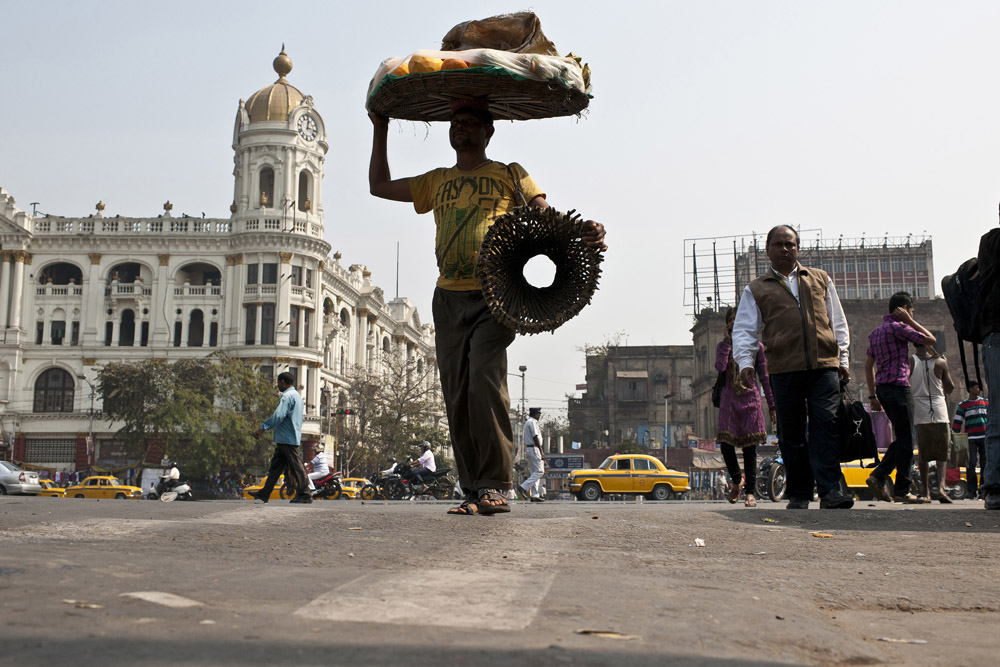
{"points": [[76, 293]]}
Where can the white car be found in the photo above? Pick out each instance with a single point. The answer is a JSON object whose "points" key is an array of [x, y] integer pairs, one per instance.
{"points": [[15, 480]]}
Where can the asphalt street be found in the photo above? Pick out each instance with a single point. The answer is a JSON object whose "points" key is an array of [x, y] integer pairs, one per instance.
{"points": [[403, 583]]}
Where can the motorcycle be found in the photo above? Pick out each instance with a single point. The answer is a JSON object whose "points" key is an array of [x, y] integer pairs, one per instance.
{"points": [[328, 486], [771, 478], [399, 487]]}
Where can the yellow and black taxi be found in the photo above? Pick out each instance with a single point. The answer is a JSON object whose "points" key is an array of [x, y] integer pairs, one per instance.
{"points": [[351, 487], [635, 474], [51, 490], [103, 486]]}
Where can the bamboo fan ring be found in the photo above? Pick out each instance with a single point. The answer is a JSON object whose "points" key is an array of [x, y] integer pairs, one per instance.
{"points": [[525, 233]]}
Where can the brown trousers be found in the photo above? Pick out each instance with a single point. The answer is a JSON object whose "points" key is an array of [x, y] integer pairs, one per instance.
{"points": [[472, 359]]}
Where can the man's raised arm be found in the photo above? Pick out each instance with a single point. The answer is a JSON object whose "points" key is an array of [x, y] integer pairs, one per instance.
{"points": [[380, 181]]}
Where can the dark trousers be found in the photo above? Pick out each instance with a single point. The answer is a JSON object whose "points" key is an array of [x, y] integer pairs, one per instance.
{"points": [[812, 394], [977, 456], [472, 359], [749, 465], [287, 460], [416, 474], [897, 401]]}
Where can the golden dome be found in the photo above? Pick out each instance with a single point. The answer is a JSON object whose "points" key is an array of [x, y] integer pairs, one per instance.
{"points": [[275, 102]]}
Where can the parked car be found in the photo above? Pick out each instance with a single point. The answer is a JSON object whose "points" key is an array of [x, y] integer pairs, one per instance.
{"points": [[630, 474], [103, 486], [17, 481], [50, 489]]}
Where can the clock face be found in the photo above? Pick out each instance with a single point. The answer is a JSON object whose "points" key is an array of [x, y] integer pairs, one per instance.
{"points": [[307, 127]]}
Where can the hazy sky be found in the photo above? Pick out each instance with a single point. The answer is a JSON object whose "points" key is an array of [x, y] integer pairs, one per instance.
{"points": [[708, 118]]}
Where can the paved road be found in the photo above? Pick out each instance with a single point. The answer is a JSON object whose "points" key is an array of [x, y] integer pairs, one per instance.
{"points": [[346, 582]]}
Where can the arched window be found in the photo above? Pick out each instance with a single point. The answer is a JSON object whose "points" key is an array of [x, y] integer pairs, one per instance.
{"points": [[327, 306], [267, 187], [126, 331], [60, 273], [305, 191], [385, 345], [345, 318], [54, 391], [196, 329]]}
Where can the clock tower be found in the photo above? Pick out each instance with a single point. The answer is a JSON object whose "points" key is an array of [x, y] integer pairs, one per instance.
{"points": [[280, 143]]}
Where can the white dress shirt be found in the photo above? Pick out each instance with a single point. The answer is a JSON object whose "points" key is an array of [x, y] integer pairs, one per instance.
{"points": [[748, 323]]}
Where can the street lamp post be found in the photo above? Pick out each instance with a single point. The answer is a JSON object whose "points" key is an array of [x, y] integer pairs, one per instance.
{"points": [[90, 439], [666, 424]]}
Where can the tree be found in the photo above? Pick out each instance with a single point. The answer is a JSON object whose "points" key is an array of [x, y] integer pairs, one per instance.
{"points": [[201, 412], [396, 406]]}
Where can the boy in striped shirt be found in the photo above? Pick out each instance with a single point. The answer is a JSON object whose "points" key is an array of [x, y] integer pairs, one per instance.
{"points": [[972, 414]]}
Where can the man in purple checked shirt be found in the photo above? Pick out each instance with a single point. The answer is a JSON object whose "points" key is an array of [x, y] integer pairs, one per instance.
{"points": [[887, 371]]}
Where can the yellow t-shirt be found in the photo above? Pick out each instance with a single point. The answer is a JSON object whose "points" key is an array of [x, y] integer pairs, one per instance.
{"points": [[478, 195]]}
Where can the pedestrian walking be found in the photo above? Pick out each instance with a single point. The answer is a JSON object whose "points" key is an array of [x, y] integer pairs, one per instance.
{"points": [[741, 416], [533, 488], [931, 381], [287, 458], [471, 344], [887, 372], [796, 313], [989, 326], [970, 416]]}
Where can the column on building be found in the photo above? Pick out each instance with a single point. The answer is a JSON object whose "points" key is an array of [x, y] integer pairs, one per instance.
{"points": [[5, 262], [17, 288], [312, 387], [317, 288], [232, 289], [282, 309], [163, 297], [360, 357], [93, 299]]}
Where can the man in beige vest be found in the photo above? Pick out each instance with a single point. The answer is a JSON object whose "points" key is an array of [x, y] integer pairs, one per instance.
{"points": [[796, 313]]}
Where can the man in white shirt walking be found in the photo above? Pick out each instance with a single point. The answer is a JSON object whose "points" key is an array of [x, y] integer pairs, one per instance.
{"points": [[533, 455]]}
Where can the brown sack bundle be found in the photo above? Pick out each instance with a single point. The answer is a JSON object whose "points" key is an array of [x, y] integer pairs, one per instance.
{"points": [[520, 32]]}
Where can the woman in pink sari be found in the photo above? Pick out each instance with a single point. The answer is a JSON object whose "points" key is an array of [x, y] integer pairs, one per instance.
{"points": [[741, 416]]}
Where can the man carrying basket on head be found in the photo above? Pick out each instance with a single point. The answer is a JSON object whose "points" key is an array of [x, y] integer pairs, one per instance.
{"points": [[471, 345]]}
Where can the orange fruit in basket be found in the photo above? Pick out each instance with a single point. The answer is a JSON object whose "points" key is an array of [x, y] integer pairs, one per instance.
{"points": [[421, 64], [454, 63], [402, 70]]}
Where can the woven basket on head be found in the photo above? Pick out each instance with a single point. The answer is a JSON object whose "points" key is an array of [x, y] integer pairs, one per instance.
{"points": [[516, 237], [428, 96]]}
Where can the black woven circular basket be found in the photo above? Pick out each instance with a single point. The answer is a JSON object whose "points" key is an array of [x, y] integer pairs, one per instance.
{"points": [[520, 235], [428, 96]]}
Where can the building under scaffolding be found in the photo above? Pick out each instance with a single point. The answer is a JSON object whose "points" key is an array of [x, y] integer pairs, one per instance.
{"points": [[716, 269]]}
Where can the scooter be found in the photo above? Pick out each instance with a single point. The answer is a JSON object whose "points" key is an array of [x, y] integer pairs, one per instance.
{"points": [[179, 491]]}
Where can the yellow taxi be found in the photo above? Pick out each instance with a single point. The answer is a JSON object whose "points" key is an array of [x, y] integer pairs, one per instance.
{"points": [[351, 486], [50, 489], [856, 480], [635, 474], [279, 492], [103, 486]]}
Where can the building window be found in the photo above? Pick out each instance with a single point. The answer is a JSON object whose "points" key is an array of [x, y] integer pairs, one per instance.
{"points": [[920, 263], [305, 191], [309, 278], [884, 264], [251, 324], [109, 331], [267, 371], [196, 329], [269, 276], [39, 450], [849, 266], [144, 334], [872, 266], [908, 264], [213, 334], [297, 276], [57, 331], [178, 332], [897, 263], [126, 331], [632, 390], [54, 391], [74, 337], [293, 326], [267, 324], [306, 326], [838, 266], [267, 187], [39, 333], [922, 291], [686, 389], [251, 274]]}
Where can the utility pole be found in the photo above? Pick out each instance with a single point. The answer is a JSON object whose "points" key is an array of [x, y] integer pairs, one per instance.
{"points": [[666, 425]]}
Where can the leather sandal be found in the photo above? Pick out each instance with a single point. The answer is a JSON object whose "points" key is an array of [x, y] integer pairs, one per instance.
{"points": [[468, 507], [498, 502]]}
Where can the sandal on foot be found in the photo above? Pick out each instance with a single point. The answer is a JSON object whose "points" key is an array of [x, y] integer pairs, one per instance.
{"points": [[468, 507], [497, 499], [750, 502], [734, 492]]}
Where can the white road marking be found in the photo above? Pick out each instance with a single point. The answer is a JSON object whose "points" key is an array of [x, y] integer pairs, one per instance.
{"points": [[457, 598], [165, 599]]}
